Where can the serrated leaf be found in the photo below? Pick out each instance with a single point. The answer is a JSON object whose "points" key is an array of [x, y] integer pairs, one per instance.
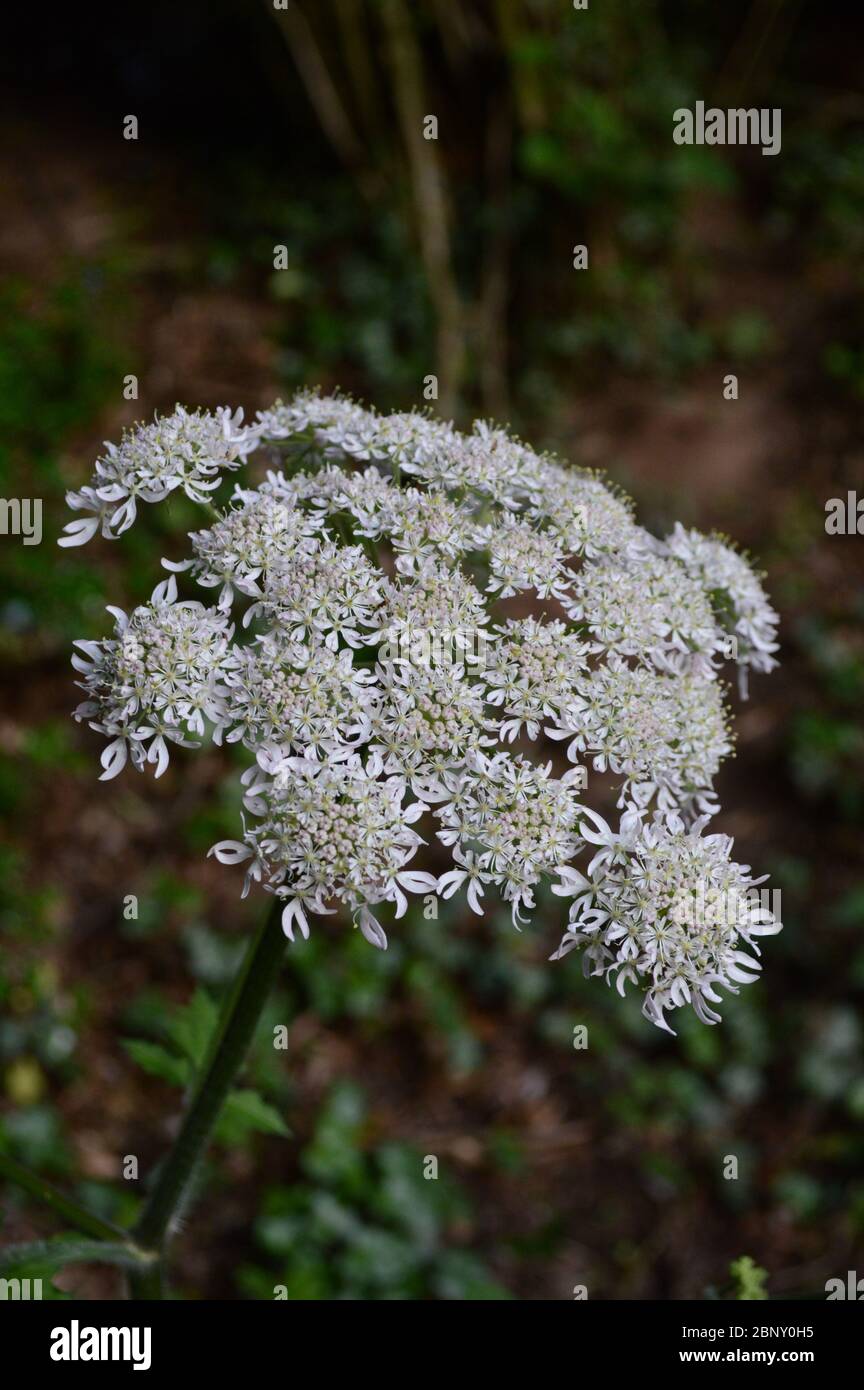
{"points": [[157, 1061], [245, 1113], [193, 1026], [54, 1254]]}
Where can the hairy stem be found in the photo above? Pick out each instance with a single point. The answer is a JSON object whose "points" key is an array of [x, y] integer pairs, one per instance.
{"points": [[71, 1212], [240, 1014]]}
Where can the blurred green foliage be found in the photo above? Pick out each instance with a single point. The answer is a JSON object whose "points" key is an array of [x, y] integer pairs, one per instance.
{"points": [[365, 1223]]}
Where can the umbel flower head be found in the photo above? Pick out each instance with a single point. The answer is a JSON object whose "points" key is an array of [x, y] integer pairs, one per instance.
{"points": [[434, 647]]}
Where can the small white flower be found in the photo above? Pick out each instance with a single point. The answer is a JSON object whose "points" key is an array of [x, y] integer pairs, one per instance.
{"points": [[645, 606], [666, 734], [250, 539], [588, 516], [428, 721], [322, 592], [331, 834], [424, 528], [524, 558], [668, 910], [158, 679], [288, 697], [181, 450], [437, 615], [523, 821], [533, 674], [727, 575]]}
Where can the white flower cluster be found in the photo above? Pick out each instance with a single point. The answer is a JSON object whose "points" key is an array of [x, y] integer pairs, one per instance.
{"points": [[449, 629], [665, 903], [330, 833], [180, 450], [744, 612], [158, 678]]}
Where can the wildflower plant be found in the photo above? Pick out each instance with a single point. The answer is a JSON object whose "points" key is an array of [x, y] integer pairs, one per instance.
{"points": [[370, 532], [437, 648]]}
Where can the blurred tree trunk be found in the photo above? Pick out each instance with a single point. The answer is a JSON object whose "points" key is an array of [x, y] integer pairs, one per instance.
{"points": [[340, 67], [492, 308], [429, 202], [352, 139], [321, 89]]}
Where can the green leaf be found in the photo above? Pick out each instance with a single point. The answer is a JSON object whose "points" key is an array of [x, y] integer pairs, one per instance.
{"points": [[193, 1027], [53, 1254], [749, 1279], [157, 1061], [245, 1113]]}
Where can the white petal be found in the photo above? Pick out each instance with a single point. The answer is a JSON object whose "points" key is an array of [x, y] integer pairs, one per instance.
{"points": [[113, 759], [230, 851], [80, 531], [372, 929]]}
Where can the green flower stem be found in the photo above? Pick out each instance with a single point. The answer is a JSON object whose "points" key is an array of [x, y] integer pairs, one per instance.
{"points": [[240, 1014], [51, 1196]]}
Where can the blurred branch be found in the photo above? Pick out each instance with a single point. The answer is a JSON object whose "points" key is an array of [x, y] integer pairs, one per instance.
{"points": [[50, 1196], [358, 62], [495, 286], [461, 29], [758, 48], [50, 1255], [527, 87], [430, 203], [321, 89]]}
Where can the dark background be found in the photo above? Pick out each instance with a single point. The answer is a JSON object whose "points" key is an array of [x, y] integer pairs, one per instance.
{"points": [[155, 257]]}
